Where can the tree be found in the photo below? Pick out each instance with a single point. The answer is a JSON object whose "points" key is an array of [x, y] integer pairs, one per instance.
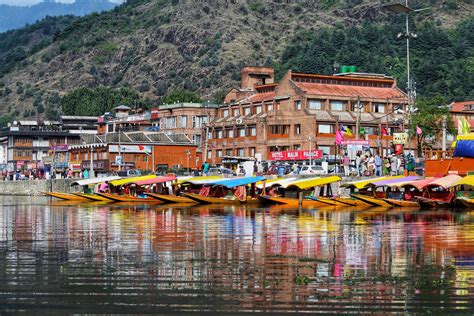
{"points": [[181, 95], [428, 117]]}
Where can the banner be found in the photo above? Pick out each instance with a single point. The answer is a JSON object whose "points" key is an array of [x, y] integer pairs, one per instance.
{"points": [[400, 138], [63, 147], [131, 149], [295, 155]]}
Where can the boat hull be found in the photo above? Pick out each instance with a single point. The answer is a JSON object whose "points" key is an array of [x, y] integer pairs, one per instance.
{"points": [[294, 202], [402, 203], [465, 202], [129, 199], [66, 196], [352, 202], [93, 197], [371, 200], [171, 198], [213, 200], [433, 203]]}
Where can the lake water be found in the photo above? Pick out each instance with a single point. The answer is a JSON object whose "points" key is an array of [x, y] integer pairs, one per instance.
{"points": [[57, 258]]}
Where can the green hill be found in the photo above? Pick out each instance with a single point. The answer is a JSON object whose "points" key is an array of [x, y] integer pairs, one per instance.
{"points": [[153, 47]]}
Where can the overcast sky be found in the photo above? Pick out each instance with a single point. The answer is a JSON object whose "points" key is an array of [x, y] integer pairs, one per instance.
{"points": [[31, 2]]}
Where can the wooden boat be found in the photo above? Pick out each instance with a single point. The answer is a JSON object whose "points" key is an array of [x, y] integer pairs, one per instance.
{"points": [[128, 198], [371, 200], [171, 198], [401, 203], [293, 201], [465, 202], [66, 196], [352, 202], [219, 200], [434, 203], [326, 200], [93, 197]]}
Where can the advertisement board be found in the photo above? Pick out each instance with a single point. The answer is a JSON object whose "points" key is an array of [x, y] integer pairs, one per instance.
{"points": [[295, 155], [400, 138], [130, 149]]}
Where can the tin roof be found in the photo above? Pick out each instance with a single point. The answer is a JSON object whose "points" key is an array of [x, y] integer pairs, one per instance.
{"points": [[349, 91]]}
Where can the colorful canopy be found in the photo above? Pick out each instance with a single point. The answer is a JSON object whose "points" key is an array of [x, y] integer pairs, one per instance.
{"points": [[155, 180], [192, 179], [468, 180], [395, 180], [304, 184], [445, 182], [275, 182], [236, 182], [95, 180], [363, 183], [131, 180], [419, 184], [202, 182]]}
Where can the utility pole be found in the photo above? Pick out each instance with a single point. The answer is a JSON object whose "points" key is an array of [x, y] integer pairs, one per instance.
{"points": [[443, 146], [119, 152], [358, 118], [91, 174], [310, 150]]}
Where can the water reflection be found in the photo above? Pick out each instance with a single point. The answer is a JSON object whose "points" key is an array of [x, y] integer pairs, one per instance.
{"points": [[159, 259]]}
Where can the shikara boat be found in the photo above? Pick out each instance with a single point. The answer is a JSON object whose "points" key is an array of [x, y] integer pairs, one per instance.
{"points": [[371, 200], [407, 193], [66, 196], [439, 193], [220, 200], [128, 198], [88, 193], [171, 198], [93, 197], [401, 203], [293, 201], [465, 192], [351, 201], [465, 202]]}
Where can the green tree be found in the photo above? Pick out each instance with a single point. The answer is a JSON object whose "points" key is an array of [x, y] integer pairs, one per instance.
{"points": [[5, 119], [428, 117], [181, 95]]}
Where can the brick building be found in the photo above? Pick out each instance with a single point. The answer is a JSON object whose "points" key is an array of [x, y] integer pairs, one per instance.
{"points": [[139, 150], [302, 111], [185, 118], [462, 109]]}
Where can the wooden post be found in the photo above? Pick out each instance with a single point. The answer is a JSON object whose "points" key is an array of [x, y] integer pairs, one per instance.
{"points": [[300, 198]]}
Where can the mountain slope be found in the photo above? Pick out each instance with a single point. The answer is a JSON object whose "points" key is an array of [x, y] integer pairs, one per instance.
{"points": [[154, 46]]}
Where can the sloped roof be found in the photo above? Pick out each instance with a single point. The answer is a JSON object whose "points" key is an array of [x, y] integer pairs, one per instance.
{"points": [[349, 91], [461, 106], [260, 97]]}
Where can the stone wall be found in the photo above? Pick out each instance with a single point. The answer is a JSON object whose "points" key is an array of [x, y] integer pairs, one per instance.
{"points": [[35, 187]]}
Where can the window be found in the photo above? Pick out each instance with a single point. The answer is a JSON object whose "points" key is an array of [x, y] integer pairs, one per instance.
{"points": [[170, 122], [219, 134], [197, 139], [209, 135], [253, 131], [325, 149], [137, 157], [378, 108], [240, 152], [279, 129], [337, 106], [371, 130], [225, 113], [219, 153], [358, 106], [252, 152], [247, 111], [236, 112], [325, 128], [184, 121], [198, 121], [104, 155], [315, 105], [230, 133], [298, 105], [258, 109], [269, 107], [297, 147], [297, 129], [241, 132], [209, 154], [228, 152]]}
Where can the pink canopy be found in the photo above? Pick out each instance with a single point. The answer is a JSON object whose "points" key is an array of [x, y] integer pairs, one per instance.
{"points": [[155, 180]]}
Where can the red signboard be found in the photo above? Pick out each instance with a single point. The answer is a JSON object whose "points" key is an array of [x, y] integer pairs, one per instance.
{"points": [[295, 155]]}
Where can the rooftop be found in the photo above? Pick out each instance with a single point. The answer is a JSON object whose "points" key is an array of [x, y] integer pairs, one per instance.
{"points": [[466, 106], [140, 137]]}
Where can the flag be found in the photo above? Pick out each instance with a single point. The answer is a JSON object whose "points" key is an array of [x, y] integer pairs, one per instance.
{"points": [[460, 132], [418, 130], [348, 131], [384, 131], [339, 137], [466, 127], [362, 131]]}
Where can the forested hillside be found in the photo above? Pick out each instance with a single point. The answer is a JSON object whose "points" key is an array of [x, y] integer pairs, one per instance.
{"points": [[153, 47]]}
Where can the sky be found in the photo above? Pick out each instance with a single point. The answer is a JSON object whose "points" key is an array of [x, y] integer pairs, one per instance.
{"points": [[31, 2]]}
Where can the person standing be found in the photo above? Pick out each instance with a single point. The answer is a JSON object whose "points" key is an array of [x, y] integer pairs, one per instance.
{"points": [[86, 174], [205, 168], [378, 165], [346, 162], [358, 160]]}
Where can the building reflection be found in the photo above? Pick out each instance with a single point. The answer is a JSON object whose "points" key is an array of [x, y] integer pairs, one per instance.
{"points": [[259, 259]]}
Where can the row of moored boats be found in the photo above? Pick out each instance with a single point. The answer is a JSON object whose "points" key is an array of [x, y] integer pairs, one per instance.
{"points": [[392, 191]]}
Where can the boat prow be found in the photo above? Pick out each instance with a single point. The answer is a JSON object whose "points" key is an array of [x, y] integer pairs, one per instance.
{"points": [[402, 203], [93, 197], [171, 198], [66, 196], [128, 198], [214, 200], [371, 200], [464, 202]]}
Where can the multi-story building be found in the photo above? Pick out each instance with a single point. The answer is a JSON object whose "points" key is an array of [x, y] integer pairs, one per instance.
{"points": [[462, 109], [303, 111], [32, 144], [186, 118], [123, 121]]}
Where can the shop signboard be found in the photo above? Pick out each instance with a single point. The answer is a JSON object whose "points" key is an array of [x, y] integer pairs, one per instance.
{"points": [[59, 148], [296, 155], [132, 149], [400, 138], [99, 165]]}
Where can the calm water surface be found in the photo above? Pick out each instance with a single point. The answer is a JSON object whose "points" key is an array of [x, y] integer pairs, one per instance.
{"points": [[60, 258]]}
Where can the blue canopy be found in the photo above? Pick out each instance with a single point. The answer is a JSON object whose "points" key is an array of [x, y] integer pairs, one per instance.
{"points": [[236, 182]]}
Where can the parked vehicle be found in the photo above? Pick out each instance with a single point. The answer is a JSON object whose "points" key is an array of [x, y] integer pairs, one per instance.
{"points": [[129, 173], [221, 171], [316, 170]]}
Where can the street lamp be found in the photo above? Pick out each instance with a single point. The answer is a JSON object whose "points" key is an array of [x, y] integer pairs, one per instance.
{"points": [[405, 9]]}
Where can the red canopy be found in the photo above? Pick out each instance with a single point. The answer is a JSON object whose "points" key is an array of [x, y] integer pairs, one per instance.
{"points": [[155, 180]]}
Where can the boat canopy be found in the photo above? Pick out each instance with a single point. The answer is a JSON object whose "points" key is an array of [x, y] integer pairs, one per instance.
{"points": [[444, 182], [236, 182], [395, 180], [192, 179], [95, 180], [124, 181], [202, 182], [363, 183], [419, 184], [468, 180], [275, 182], [155, 180], [304, 184]]}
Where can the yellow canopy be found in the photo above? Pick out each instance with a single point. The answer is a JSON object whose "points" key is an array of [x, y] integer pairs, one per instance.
{"points": [[198, 179], [276, 181], [131, 180], [363, 183], [304, 184], [468, 180], [469, 136]]}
